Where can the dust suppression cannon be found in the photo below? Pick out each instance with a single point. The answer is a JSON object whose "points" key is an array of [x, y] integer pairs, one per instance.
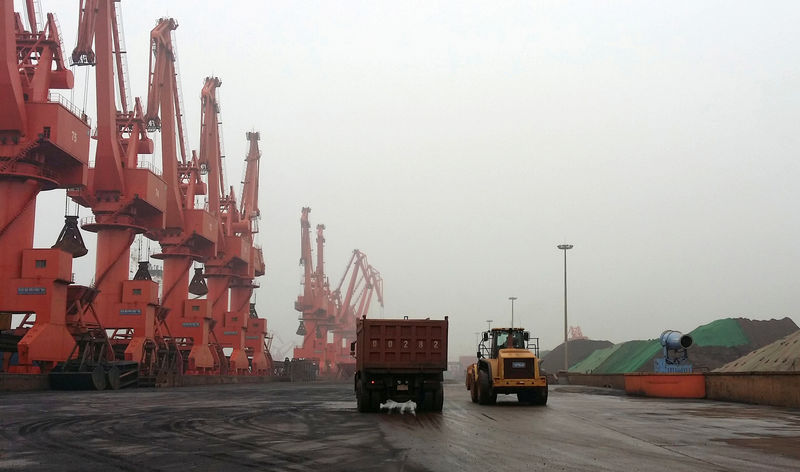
{"points": [[675, 347]]}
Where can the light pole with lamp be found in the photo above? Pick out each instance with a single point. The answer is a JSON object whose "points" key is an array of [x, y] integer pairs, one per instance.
{"points": [[512, 310], [564, 248]]}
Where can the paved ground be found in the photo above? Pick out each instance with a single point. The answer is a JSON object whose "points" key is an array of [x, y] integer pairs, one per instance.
{"points": [[284, 426]]}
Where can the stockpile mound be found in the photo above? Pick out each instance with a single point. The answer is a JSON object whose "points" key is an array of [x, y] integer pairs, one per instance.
{"points": [[781, 356], [588, 365], [725, 332], [723, 341], [578, 350], [628, 357], [766, 332], [715, 344]]}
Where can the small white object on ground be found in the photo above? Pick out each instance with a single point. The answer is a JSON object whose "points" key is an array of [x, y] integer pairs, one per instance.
{"points": [[405, 407]]}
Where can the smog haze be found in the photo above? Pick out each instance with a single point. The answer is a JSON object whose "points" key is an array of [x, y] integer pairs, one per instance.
{"points": [[458, 143]]}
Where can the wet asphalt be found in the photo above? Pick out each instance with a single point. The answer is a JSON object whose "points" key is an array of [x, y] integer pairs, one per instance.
{"points": [[315, 426]]}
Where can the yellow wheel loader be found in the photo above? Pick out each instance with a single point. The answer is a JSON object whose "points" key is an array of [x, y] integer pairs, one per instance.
{"points": [[508, 363]]}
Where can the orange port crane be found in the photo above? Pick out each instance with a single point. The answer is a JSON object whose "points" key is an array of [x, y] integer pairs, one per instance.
{"points": [[231, 273], [243, 285], [315, 304], [126, 198], [189, 234], [44, 144], [217, 270]]}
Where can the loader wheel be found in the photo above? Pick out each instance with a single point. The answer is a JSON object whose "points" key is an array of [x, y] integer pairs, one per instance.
{"points": [[473, 393], [485, 394], [540, 396]]}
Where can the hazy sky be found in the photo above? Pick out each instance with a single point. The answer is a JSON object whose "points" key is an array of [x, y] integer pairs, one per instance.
{"points": [[457, 143]]}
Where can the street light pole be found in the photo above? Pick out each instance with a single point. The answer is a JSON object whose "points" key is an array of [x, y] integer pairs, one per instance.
{"points": [[512, 310], [564, 248]]}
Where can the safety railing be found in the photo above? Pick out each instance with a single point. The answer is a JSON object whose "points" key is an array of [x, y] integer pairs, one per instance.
{"points": [[12, 167], [149, 165], [56, 97], [88, 220]]}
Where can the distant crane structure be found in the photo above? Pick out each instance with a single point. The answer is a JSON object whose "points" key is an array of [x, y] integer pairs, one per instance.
{"points": [[314, 304], [365, 283], [324, 311], [576, 333]]}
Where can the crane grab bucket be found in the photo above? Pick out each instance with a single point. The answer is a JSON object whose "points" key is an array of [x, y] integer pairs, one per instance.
{"points": [[70, 239], [198, 284]]}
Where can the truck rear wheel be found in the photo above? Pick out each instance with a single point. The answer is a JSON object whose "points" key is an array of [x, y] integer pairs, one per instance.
{"points": [[374, 400], [485, 394], [438, 398], [427, 401], [362, 398]]}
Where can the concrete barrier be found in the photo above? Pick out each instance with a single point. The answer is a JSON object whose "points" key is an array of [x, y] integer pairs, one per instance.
{"points": [[762, 388], [665, 385]]}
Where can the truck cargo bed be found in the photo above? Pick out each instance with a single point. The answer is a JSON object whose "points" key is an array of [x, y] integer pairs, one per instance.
{"points": [[402, 344]]}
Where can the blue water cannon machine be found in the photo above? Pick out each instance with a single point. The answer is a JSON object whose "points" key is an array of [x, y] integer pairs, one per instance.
{"points": [[675, 346]]}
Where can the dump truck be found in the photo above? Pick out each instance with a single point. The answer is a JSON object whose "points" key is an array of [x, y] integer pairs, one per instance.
{"points": [[507, 363], [400, 359]]}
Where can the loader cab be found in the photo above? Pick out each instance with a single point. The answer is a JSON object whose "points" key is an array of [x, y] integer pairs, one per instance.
{"points": [[502, 338]]}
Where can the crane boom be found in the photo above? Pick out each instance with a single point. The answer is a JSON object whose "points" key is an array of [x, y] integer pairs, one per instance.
{"points": [[210, 152]]}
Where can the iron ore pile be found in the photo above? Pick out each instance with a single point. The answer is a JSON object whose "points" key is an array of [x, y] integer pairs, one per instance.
{"points": [[728, 344]]}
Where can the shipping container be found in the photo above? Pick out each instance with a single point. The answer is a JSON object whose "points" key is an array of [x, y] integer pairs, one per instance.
{"points": [[400, 359]]}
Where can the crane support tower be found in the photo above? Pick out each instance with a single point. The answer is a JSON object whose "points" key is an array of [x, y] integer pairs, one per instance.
{"points": [[44, 145]]}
